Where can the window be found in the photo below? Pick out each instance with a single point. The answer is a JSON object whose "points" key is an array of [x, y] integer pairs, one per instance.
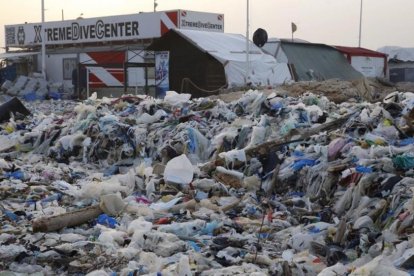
{"points": [[69, 64]]}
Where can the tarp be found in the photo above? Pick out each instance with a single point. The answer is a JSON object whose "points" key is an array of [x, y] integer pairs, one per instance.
{"points": [[318, 62], [400, 53], [274, 48], [230, 50], [311, 61]]}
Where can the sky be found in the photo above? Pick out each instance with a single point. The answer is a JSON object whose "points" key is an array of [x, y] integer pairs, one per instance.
{"points": [[333, 22]]}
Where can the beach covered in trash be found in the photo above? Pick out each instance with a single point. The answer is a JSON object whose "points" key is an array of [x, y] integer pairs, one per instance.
{"points": [[266, 184]]}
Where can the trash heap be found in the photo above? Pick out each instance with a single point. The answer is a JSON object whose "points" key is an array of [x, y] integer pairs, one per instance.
{"points": [[36, 88], [264, 185]]}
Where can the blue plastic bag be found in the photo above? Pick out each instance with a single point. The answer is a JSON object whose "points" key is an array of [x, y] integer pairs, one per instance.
{"points": [[12, 216], [55, 95], [299, 164], [276, 106], [362, 169], [16, 174], [303, 117], [30, 97], [107, 221], [405, 142], [209, 228], [298, 153], [194, 246]]}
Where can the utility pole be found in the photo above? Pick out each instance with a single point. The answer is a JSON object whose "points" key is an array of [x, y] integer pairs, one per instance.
{"points": [[155, 5], [43, 42], [360, 25], [247, 44]]}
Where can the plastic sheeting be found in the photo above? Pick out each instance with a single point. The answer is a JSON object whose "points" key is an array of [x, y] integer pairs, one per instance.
{"points": [[396, 52], [230, 50]]}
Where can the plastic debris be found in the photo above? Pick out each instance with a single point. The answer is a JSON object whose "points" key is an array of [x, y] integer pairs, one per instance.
{"points": [[13, 106], [179, 170], [107, 221], [262, 185]]}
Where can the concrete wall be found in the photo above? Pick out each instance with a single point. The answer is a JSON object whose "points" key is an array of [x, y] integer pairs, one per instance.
{"points": [[54, 68], [369, 66]]}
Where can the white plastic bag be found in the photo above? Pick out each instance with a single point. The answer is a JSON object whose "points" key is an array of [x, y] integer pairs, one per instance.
{"points": [[179, 170], [173, 98]]}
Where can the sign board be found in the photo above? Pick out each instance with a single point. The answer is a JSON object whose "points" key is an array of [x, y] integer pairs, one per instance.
{"points": [[111, 28], [105, 68], [135, 26], [201, 21], [162, 82]]}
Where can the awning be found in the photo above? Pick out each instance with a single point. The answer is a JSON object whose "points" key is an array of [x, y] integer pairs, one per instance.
{"points": [[16, 54]]}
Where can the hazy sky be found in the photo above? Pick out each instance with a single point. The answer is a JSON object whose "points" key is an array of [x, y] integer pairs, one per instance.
{"points": [[334, 22]]}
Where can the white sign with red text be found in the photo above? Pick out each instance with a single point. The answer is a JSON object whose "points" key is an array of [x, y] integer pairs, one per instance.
{"points": [[111, 28]]}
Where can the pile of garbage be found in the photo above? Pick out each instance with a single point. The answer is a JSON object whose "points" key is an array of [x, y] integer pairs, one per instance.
{"points": [[36, 88], [264, 185], [338, 91]]}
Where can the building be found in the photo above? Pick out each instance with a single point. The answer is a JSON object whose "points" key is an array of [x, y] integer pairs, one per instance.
{"points": [[370, 63], [311, 61], [112, 48], [400, 63]]}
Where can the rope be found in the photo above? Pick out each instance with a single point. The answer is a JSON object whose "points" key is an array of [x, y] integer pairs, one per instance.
{"points": [[188, 80]]}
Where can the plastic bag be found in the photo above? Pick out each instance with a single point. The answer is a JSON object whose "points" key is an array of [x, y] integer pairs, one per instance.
{"points": [[179, 170], [112, 204], [174, 99], [362, 169], [405, 142], [373, 139], [107, 221], [403, 161], [198, 144], [16, 174], [299, 164], [148, 119], [288, 125], [252, 101], [162, 206], [184, 229], [335, 147]]}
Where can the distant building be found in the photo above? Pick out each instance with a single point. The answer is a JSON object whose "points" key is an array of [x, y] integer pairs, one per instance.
{"points": [[109, 47], [370, 63], [400, 63], [311, 61]]}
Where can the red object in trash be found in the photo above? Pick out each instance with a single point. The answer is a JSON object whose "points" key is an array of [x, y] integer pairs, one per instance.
{"points": [[163, 221]]}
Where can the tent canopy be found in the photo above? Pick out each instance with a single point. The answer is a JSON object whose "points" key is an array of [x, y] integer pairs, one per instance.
{"points": [[230, 50], [312, 61], [398, 53]]}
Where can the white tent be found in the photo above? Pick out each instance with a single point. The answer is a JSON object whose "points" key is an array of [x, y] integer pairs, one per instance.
{"points": [[230, 50], [399, 53]]}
